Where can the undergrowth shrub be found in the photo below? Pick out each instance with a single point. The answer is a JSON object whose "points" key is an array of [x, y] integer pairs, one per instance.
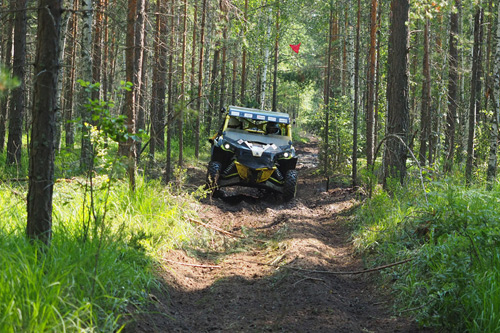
{"points": [[453, 281], [65, 287]]}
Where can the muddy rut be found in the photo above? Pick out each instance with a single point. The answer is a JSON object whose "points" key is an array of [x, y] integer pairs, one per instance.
{"points": [[272, 277]]}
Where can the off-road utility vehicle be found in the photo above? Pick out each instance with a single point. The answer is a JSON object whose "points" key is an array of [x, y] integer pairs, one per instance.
{"points": [[254, 148]]}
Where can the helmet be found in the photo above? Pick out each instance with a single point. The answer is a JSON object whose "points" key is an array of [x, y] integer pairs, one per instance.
{"points": [[272, 128]]}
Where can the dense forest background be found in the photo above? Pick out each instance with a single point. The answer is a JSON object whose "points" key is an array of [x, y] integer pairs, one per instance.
{"points": [[185, 61], [402, 94]]}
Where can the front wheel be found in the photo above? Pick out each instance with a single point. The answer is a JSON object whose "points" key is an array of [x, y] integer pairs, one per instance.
{"points": [[290, 186], [213, 174]]}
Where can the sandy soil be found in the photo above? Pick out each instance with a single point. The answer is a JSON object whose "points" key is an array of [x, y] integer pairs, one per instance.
{"points": [[273, 276]]}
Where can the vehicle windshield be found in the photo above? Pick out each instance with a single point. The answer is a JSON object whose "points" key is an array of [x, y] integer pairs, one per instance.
{"points": [[257, 126], [239, 134]]}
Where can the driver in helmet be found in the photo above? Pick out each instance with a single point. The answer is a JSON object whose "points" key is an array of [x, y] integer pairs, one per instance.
{"points": [[273, 128]]}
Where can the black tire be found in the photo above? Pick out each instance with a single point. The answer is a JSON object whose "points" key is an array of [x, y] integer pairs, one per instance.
{"points": [[213, 174], [290, 185]]}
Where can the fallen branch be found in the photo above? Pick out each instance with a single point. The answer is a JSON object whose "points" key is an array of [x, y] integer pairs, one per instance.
{"points": [[222, 231], [308, 278], [351, 273], [191, 265]]}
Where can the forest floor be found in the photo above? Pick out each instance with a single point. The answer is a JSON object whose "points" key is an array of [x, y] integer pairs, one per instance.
{"points": [[269, 279]]}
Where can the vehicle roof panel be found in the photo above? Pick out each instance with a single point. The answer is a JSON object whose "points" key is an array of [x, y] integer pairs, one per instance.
{"points": [[255, 114]]}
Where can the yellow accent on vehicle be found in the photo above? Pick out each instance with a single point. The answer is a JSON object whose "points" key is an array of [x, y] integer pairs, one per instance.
{"points": [[226, 122], [289, 131], [243, 171], [246, 174], [264, 174]]}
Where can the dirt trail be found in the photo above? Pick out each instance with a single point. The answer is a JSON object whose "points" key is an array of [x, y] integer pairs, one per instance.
{"points": [[246, 285]]}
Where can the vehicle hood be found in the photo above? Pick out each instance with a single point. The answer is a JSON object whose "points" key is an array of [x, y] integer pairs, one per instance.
{"points": [[257, 150]]}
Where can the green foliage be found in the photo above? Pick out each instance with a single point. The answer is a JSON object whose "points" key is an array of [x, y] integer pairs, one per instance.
{"points": [[453, 281], [105, 240], [105, 123], [6, 82], [65, 288], [339, 148]]}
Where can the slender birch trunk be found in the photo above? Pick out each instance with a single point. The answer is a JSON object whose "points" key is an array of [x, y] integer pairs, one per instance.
{"points": [[425, 115], [475, 99], [266, 61], [86, 75]]}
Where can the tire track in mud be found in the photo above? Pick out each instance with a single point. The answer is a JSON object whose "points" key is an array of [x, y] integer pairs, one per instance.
{"points": [[252, 290]]}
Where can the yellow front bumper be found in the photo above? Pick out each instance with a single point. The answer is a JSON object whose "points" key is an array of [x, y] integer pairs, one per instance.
{"points": [[258, 175]]}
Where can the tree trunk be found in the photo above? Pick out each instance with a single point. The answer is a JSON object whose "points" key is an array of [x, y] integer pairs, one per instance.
{"points": [[266, 62], [377, 78], [244, 60], [276, 52], [69, 89], [345, 43], [495, 119], [488, 70], [129, 148], [213, 89], [222, 96], [370, 112], [258, 84], [139, 70], [425, 115], [326, 94], [16, 114], [475, 99], [105, 79], [192, 84], [60, 80], [41, 168], [158, 86], [5, 101], [86, 75], [451, 115], [233, 81], [141, 104], [180, 121], [97, 46], [200, 79], [356, 100], [170, 103], [398, 118]]}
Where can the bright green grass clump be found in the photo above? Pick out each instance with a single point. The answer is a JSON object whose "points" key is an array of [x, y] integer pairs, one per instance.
{"points": [[99, 264], [454, 240]]}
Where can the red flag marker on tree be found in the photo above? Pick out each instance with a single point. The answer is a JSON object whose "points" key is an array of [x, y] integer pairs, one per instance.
{"points": [[295, 48]]}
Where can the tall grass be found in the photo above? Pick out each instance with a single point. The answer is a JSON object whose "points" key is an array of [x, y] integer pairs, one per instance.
{"points": [[85, 281], [454, 279]]}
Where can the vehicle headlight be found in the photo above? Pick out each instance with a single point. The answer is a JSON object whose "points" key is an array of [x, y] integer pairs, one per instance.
{"points": [[227, 146], [285, 155]]}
